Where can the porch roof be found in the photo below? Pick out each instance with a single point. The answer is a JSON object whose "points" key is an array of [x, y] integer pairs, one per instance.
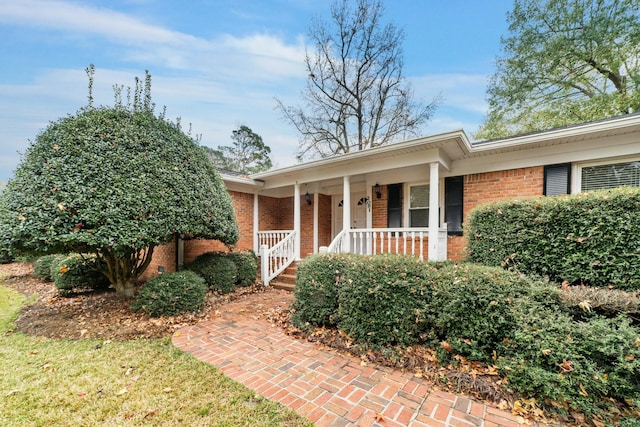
{"points": [[458, 155]]}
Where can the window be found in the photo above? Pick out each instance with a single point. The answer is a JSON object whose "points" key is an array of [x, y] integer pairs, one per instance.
{"points": [[601, 177], [453, 207], [419, 206], [557, 179], [394, 205]]}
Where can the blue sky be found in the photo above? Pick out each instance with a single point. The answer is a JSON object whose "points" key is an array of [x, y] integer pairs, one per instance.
{"points": [[219, 64]]}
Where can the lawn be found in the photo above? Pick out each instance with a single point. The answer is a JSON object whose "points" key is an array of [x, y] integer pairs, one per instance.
{"points": [[124, 383]]}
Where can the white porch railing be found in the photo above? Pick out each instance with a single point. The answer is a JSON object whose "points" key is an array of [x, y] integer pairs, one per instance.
{"points": [[371, 241], [271, 237], [277, 252]]}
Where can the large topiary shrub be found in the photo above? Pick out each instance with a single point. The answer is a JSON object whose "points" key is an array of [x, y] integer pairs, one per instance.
{"points": [[590, 238], [217, 269], [42, 266], [318, 279], [385, 299], [171, 294], [247, 265], [77, 272], [115, 182]]}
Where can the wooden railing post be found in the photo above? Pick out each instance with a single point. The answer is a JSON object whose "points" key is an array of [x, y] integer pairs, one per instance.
{"points": [[264, 267]]}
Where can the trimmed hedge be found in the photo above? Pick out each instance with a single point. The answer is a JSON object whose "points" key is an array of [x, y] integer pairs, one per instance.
{"points": [[318, 279], [42, 266], [219, 271], [475, 308], [385, 300], [76, 272], [247, 265], [590, 238], [487, 314], [172, 294]]}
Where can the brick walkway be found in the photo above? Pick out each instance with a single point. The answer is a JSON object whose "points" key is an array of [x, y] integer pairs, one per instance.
{"points": [[326, 387]]}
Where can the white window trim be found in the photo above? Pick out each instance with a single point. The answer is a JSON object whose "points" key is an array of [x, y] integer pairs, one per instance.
{"points": [[576, 169], [407, 199]]}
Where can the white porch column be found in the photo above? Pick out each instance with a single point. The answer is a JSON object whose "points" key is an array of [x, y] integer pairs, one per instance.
{"points": [[315, 222], [256, 224], [369, 205], [346, 210], [434, 209], [296, 218]]}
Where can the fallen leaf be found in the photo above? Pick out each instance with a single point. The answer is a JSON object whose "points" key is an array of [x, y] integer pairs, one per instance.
{"points": [[167, 390], [128, 416], [378, 417], [566, 366], [152, 413], [122, 391], [33, 352], [630, 357], [418, 374], [446, 346], [12, 392]]}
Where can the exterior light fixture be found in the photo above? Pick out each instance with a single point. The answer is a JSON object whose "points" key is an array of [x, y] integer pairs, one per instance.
{"points": [[376, 189], [307, 197]]}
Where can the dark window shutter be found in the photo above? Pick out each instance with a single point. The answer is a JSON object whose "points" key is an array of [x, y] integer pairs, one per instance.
{"points": [[394, 205], [453, 204], [557, 179]]}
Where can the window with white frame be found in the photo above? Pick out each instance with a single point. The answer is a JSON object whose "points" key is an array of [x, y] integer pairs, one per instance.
{"points": [[419, 205], [604, 176]]}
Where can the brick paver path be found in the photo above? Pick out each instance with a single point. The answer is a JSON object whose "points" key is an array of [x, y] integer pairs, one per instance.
{"points": [[327, 387]]}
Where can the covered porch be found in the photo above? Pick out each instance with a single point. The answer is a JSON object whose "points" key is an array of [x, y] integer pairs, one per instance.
{"points": [[386, 200]]}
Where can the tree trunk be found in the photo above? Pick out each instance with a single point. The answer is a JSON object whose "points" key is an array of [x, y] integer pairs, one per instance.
{"points": [[125, 289]]}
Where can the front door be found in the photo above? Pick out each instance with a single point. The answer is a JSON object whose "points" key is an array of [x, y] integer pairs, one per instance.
{"points": [[358, 212]]}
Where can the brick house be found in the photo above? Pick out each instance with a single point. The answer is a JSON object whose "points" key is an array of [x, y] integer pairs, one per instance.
{"points": [[412, 196]]}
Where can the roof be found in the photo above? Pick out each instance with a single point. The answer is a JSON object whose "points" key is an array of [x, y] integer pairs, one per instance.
{"points": [[453, 150]]}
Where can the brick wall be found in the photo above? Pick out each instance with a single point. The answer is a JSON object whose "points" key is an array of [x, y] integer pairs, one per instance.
{"points": [[324, 220], [163, 255], [491, 186]]}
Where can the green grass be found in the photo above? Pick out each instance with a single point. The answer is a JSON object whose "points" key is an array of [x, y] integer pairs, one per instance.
{"points": [[123, 383]]}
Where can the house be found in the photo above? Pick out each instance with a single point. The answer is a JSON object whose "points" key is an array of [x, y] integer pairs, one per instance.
{"points": [[413, 196]]}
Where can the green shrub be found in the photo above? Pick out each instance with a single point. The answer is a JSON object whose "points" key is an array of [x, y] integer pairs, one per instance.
{"points": [[474, 308], [219, 271], [580, 365], [42, 266], [247, 265], [316, 292], [384, 299], [171, 294], [590, 238], [77, 272]]}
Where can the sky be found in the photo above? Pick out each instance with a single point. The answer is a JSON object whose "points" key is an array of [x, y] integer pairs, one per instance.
{"points": [[220, 64]]}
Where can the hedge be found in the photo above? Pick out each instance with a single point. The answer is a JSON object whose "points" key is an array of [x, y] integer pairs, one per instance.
{"points": [[219, 272], [77, 272], [247, 266], [318, 279], [590, 238], [171, 294]]}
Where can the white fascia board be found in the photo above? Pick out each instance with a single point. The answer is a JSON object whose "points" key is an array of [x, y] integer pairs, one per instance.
{"points": [[570, 152], [240, 184], [458, 137], [609, 125]]}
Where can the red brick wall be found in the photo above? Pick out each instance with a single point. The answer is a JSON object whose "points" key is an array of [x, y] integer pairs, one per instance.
{"points": [[324, 220], [165, 256], [379, 208], [269, 213], [491, 186]]}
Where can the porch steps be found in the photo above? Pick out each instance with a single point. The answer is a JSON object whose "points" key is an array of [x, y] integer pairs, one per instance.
{"points": [[287, 279]]}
